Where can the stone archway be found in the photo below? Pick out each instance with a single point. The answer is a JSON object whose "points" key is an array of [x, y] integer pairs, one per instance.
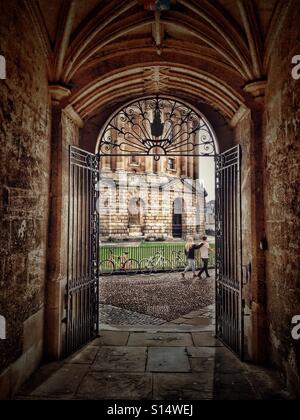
{"points": [[216, 56]]}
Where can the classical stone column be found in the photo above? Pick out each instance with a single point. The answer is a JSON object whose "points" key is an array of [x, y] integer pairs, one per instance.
{"points": [[184, 166], [161, 166], [196, 171], [191, 158], [105, 162], [149, 164], [184, 157]]}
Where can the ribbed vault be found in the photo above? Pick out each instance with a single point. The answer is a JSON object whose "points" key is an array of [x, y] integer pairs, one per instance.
{"points": [[113, 51]]}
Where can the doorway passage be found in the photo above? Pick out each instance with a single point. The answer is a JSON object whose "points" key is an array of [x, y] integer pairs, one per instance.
{"points": [[157, 139]]}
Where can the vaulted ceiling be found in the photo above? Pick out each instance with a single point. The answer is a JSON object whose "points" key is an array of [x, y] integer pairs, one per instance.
{"points": [[109, 51]]}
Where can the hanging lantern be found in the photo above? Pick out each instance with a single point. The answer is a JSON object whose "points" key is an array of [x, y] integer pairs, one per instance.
{"points": [[157, 5], [157, 126]]}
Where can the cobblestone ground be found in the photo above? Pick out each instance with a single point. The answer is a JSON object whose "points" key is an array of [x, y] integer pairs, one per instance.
{"points": [[112, 315], [153, 298]]}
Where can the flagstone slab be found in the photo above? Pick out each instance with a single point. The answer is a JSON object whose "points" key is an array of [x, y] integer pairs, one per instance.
{"points": [[203, 365], [168, 359], [233, 386], [193, 314], [116, 386], [226, 362], [160, 339], [63, 384], [121, 359], [205, 339], [183, 386], [203, 322], [84, 356], [201, 352], [112, 338]]}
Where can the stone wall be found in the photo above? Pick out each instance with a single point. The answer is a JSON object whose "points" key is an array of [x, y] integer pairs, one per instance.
{"points": [[24, 174], [282, 198]]}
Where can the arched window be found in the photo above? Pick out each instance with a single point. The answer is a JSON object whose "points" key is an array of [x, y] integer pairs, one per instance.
{"points": [[156, 126], [178, 208]]}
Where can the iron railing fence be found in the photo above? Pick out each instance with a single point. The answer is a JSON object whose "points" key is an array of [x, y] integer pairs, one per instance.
{"points": [[145, 258]]}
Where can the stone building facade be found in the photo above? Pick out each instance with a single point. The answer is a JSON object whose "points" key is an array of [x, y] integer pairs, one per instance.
{"points": [[149, 199], [210, 216]]}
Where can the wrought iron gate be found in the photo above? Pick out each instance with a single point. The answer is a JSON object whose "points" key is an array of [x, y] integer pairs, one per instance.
{"points": [[82, 295], [229, 308], [82, 291]]}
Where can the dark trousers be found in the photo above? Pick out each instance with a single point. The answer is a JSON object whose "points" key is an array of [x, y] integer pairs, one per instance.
{"points": [[205, 267]]}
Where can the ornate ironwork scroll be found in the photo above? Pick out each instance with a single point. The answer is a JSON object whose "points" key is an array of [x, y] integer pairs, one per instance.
{"points": [[157, 127]]}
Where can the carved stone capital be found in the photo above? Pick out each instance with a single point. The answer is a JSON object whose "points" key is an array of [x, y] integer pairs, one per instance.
{"points": [[58, 93], [257, 90]]}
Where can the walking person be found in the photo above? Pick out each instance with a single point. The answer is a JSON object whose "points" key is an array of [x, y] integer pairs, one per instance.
{"points": [[204, 251], [190, 248]]}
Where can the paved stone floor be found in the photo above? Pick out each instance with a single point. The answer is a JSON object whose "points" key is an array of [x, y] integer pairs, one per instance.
{"points": [[179, 360]]}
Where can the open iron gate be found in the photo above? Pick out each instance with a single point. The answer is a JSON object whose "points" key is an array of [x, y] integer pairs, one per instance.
{"points": [[82, 297], [82, 291], [229, 303]]}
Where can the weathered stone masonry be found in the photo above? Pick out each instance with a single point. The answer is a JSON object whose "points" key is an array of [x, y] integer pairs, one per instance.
{"points": [[282, 197], [24, 174]]}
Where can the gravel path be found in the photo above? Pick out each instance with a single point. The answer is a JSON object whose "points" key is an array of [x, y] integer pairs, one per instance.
{"points": [[165, 296]]}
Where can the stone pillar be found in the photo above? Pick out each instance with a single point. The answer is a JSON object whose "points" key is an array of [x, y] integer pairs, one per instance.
{"points": [[65, 132], [196, 171], [120, 164], [149, 164], [191, 160], [184, 166], [253, 211], [184, 158], [105, 163], [161, 166], [258, 271], [178, 166], [106, 159]]}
